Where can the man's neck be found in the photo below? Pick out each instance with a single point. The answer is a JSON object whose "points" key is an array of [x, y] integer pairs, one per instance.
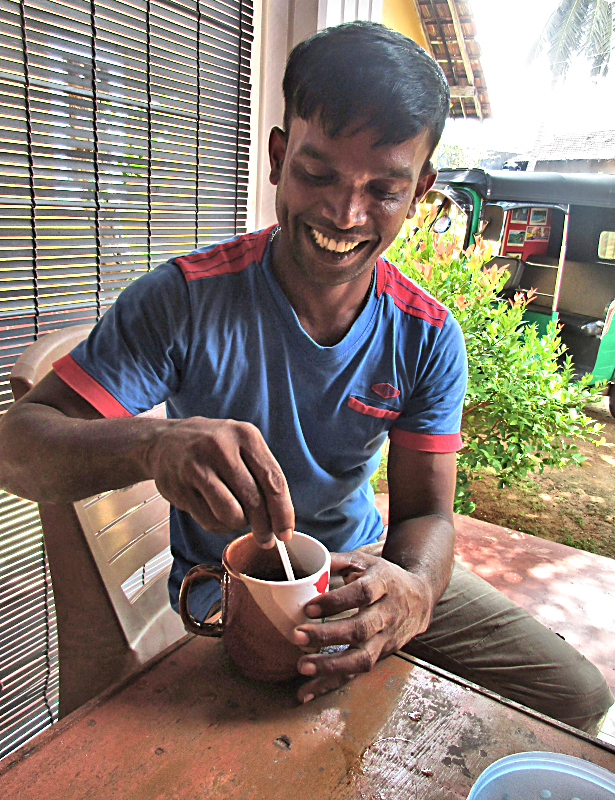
{"points": [[326, 313]]}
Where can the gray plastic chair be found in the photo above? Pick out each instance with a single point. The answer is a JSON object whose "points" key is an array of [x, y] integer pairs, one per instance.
{"points": [[93, 547]]}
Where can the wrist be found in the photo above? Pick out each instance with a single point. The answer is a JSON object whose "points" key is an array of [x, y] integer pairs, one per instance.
{"points": [[426, 591], [152, 445], [428, 566]]}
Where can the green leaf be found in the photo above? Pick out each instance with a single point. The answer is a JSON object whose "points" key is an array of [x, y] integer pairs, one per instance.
{"points": [[520, 405]]}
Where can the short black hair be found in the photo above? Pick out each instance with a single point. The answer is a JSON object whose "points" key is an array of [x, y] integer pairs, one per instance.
{"points": [[365, 73]]}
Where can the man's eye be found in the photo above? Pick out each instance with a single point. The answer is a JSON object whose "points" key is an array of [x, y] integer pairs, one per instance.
{"points": [[383, 194], [317, 180]]}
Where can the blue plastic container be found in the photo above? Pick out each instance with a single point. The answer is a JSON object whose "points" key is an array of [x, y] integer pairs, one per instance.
{"points": [[543, 776]]}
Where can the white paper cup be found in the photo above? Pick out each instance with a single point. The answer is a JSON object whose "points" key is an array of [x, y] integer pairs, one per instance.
{"points": [[536, 775]]}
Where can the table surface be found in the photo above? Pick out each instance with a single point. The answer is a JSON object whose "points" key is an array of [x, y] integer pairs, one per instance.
{"points": [[191, 727]]}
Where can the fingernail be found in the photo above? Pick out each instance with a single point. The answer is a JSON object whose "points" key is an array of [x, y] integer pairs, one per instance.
{"points": [[301, 638], [267, 545], [286, 536], [313, 611], [307, 668], [308, 697]]}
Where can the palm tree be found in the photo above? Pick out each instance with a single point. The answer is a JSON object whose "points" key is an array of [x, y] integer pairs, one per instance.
{"points": [[579, 27]]}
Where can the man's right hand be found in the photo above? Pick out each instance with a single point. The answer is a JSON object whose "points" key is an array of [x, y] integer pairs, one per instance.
{"points": [[223, 474], [219, 471]]}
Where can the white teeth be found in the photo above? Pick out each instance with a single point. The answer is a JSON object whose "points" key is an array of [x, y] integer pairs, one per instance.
{"points": [[331, 244]]}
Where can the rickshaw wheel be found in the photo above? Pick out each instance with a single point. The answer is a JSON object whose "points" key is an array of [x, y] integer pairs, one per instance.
{"points": [[612, 399]]}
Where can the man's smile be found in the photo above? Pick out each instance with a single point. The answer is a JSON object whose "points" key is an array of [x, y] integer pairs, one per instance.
{"points": [[336, 249], [335, 245]]}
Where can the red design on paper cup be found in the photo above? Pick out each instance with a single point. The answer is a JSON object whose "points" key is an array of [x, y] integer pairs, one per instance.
{"points": [[322, 583]]}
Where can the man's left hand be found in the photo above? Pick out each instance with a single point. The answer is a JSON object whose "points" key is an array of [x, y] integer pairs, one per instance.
{"points": [[394, 605]]}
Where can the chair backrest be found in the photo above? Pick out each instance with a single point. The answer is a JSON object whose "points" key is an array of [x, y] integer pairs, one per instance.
{"points": [[35, 362], [96, 547], [515, 269]]}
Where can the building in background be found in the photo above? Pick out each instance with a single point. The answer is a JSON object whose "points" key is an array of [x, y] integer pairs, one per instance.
{"points": [[581, 152], [573, 152]]}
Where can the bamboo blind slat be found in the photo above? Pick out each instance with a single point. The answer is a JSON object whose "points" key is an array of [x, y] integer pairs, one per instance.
{"points": [[124, 138]]}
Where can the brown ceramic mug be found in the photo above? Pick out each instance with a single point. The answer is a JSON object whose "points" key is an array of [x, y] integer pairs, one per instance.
{"points": [[260, 608]]}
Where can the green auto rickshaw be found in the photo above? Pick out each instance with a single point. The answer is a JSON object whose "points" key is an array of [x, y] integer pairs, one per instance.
{"points": [[556, 232]]}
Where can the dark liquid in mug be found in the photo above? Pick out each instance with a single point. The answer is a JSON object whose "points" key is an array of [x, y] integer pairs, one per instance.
{"points": [[273, 572]]}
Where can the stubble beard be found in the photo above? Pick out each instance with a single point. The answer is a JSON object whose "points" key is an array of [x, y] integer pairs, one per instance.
{"points": [[295, 253]]}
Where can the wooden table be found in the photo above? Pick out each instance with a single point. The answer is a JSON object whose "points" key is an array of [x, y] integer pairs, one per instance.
{"points": [[191, 727]]}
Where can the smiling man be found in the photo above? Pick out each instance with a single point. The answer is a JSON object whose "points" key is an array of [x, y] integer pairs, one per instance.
{"points": [[285, 358]]}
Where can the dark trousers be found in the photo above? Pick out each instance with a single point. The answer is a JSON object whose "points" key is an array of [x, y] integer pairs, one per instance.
{"points": [[476, 632]]}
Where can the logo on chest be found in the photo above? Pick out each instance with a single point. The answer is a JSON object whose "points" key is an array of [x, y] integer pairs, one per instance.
{"points": [[385, 390]]}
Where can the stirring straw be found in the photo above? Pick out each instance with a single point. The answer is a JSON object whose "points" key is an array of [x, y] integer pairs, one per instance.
{"points": [[290, 575]]}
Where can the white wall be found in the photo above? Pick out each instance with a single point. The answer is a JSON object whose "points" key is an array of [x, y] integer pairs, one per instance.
{"points": [[334, 12], [278, 26]]}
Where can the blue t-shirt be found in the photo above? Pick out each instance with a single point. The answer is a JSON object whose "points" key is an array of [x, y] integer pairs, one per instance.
{"points": [[212, 334]]}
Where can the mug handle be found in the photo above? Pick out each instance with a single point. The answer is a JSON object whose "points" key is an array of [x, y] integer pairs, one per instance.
{"points": [[190, 623]]}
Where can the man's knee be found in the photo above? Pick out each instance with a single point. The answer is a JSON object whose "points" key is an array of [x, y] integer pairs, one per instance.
{"points": [[587, 700], [481, 635]]}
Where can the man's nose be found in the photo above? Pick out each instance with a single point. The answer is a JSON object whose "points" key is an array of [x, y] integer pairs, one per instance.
{"points": [[346, 209]]}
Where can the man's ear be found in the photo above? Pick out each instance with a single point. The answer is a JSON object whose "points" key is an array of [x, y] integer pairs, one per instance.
{"points": [[426, 180], [277, 151]]}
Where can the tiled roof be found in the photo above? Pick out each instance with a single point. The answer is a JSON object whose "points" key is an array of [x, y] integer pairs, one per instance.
{"points": [[449, 28]]}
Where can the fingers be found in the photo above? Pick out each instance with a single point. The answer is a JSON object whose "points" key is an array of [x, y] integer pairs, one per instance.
{"points": [[343, 561], [391, 607], [215, 521], [277, 514], [319, 686], [351, 661], [363, 590], [354, 631], [254, 476], [216, 505], [352, 563], [223, 474], [366, 632], [212, 505]]}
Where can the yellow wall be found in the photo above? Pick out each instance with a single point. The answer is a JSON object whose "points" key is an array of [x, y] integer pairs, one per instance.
{"points": [[401, 15]]}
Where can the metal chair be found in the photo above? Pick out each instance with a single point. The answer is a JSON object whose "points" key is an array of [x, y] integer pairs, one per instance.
{"points": [[94, 546]]}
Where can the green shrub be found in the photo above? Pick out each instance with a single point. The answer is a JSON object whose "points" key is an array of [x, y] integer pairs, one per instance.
{"points": [[520, 404]]}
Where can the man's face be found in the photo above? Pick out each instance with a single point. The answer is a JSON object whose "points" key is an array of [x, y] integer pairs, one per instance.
{"points": [[340, 202]]}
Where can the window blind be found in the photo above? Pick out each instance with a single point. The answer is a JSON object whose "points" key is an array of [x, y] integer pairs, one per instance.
{"points": [[124, 137]]}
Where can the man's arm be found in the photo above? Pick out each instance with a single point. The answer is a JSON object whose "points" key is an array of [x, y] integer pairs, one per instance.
{"points": [[421, 536], [395, 594], [55, 447]]}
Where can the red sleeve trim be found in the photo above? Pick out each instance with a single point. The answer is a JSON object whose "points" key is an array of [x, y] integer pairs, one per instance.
{"points": [[371, 411], [429, 442], [79, 380]]}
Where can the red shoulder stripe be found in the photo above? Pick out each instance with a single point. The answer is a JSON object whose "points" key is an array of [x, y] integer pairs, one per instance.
{"points": [[85, 385], [405, 286], [225, 258], [381, 269], [411, 298]]}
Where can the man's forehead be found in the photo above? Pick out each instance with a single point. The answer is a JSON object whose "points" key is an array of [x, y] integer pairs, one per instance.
{"points": [[309, 139], [353, 128]]}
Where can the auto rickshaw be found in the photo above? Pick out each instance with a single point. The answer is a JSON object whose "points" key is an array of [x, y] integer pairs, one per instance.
{"points": [[556, 233]]}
